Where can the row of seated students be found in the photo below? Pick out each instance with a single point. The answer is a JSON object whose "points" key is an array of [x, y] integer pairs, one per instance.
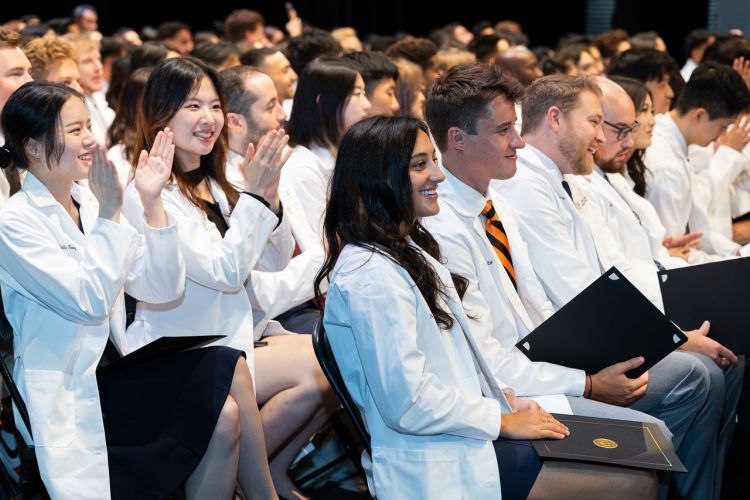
{"points": [[438, 259]]}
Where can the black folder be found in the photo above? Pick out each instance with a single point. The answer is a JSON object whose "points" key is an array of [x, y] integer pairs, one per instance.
{"points": [[620, 442], [160, 347], [717, 292], [607, 323]]}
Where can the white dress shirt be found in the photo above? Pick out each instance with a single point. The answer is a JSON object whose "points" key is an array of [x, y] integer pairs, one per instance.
{"points": [[498, 313]]}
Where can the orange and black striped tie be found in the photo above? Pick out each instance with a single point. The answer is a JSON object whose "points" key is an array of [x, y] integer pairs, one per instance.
{"points": [[499, 241]]}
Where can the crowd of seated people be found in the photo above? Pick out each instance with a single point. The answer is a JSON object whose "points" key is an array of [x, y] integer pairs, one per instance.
{"points": [[429, 200]]}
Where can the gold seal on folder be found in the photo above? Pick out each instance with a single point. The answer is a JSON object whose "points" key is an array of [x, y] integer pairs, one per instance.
{"points": [[605, 443]]}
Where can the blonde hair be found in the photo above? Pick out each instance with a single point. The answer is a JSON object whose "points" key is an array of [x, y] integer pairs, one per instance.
{"points": [[83, 42], [9, 38], [44, 52]]}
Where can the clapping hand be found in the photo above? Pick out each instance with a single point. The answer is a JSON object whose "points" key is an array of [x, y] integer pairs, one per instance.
{"points": [[262, 168], [105, 185], [152, 172]]}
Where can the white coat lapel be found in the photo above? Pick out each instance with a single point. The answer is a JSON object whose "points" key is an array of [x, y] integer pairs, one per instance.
{"points": [[454, 304]]}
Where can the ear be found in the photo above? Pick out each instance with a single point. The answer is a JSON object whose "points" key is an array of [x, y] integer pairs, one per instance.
{"points": [[553, 117], [33, 148], [698, 114], [456, 138], [236, 122]]}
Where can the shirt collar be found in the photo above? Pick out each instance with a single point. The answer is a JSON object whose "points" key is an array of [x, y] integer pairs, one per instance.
{"points": [[670, 128], [540, 161], [40, 195], [324, 156], [234, 158], [466, 200]]}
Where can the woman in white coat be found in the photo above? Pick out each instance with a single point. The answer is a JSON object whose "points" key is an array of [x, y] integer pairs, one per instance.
{"points": [[330, 98], [222, 234], [66, 254], [400, 336]]}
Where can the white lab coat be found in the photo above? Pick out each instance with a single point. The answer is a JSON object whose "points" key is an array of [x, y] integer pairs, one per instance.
{"points": [[498, 313], [688, 68], [279, 281], [419, 387], [215, 300], [308, 174], [681, 195], [720, 210], [101, 116], [647, 218], [116, 154], [63, 295], [560, 244], [629, 241], [4, 185]]}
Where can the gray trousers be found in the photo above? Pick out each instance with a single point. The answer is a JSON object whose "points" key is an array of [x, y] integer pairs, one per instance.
{"points": [[679, 395]]}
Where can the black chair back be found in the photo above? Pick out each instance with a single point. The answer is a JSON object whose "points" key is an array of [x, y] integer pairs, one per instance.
{"points": [[330, 369], [6, 348], [29, 485]]}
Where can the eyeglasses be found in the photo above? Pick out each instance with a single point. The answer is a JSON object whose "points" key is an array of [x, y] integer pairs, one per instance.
{"points": [[624, 130]]}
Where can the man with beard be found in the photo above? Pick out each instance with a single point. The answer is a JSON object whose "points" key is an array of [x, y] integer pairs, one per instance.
{"points": [[619, 120], [607, 213], [282, 282], [563, 127], [467, 107]]}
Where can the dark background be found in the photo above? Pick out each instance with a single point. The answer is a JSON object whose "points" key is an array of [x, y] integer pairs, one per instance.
{"points": [[543, 21]]}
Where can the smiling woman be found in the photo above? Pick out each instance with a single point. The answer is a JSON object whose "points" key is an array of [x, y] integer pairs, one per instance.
{"points": [[223, 234], [66, 255]]}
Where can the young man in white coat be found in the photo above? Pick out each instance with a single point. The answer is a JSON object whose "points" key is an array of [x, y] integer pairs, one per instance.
{"points": [[471, 115], [683, 196], [562, 126], [282, 280]]}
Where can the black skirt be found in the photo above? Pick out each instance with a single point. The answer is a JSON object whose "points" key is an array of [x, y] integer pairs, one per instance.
{"points": [[159, 416]]}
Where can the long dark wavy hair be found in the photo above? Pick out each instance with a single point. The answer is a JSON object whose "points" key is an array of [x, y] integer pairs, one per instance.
{"points": [[636, 167], [371, 205], [171, 82]]}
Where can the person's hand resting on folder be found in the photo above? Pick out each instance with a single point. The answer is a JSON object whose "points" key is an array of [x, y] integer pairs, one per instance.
{"points": [[611, 385], [698, 341], [530, 421]]}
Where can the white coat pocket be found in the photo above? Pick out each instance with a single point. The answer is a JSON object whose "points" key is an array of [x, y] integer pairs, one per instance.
{"points": [[415, 474], [52, 408]]}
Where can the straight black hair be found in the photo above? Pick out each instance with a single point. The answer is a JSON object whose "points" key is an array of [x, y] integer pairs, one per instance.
{"points": [[717, 88], [637, 169], [317, 117]]}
